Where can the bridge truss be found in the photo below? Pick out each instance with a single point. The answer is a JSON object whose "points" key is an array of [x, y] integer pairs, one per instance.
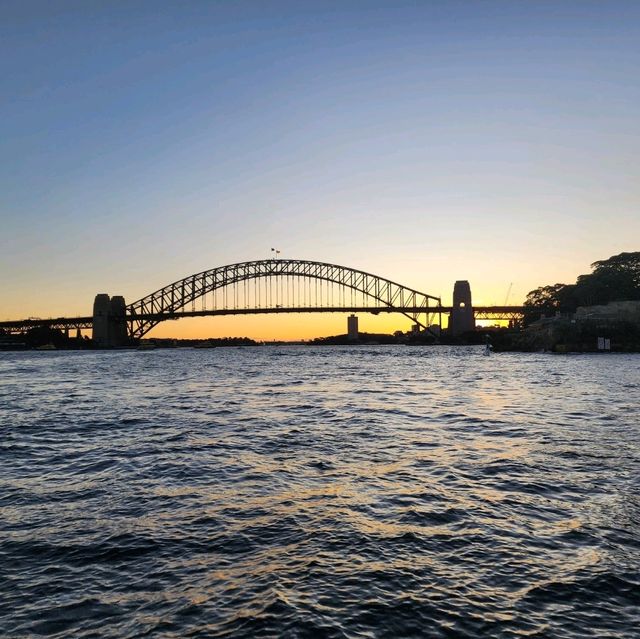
{"points": [[19, 327], [277, 286]]}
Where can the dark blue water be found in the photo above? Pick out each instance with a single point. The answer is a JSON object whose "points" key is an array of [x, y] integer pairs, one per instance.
{"points": [[319, 492]]}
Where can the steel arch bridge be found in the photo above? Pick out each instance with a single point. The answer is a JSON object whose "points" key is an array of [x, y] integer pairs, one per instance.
{"points": [[278, 286]]}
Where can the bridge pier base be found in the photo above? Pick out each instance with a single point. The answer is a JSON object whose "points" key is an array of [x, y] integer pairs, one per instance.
{"points": [[109, 323]]}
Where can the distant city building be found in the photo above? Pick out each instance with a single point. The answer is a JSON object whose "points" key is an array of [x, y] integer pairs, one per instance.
{"points": [[352, 328]]}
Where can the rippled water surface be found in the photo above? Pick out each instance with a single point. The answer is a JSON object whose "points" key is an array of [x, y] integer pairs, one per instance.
{"points": [[319, 492]]}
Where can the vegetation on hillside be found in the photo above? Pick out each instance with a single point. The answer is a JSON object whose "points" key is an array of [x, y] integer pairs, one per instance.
{"points": [[611, 280]]}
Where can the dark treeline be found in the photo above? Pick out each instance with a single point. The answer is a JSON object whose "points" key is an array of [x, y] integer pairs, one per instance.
{"points": [[363, 338], [612, 280], [216, 341]]}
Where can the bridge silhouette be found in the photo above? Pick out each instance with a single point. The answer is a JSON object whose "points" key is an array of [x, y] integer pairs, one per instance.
{"points": [[267, 286]]}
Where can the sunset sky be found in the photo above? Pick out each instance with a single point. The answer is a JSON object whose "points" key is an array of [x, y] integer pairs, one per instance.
{"points": [[425, 142]]}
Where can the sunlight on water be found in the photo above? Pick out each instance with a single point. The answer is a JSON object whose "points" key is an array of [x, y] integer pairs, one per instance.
{"points": [[319, 492]]}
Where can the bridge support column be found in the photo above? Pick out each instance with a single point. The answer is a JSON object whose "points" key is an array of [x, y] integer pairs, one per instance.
{"points": [[461, 319], [101, 309], [109, 323], [118, 323]]}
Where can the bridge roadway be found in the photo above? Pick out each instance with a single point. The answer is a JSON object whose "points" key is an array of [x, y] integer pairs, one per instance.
{"points": [[512, 313]]}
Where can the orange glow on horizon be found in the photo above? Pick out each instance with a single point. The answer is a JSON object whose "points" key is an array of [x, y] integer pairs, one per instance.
{"points": [[267, 327], [284, 326]]}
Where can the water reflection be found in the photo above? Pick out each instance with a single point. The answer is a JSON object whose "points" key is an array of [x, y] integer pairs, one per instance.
{"points": [[319, 492]]}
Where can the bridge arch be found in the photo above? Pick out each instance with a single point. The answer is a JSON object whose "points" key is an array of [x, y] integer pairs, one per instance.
{"points": [[150, 310]]}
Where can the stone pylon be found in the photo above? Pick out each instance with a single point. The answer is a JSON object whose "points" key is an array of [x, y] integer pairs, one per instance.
{"points": [[109, 323], [461, 319]]}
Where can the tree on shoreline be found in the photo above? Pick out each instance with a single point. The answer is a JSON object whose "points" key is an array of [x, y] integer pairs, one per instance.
{"points": [[611, 280]]}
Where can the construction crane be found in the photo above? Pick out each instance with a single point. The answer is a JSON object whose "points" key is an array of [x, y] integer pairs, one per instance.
{"points": [[506, 299]]}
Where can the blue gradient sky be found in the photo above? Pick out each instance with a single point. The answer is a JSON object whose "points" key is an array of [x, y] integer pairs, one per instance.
{"points": [[423, 141]]}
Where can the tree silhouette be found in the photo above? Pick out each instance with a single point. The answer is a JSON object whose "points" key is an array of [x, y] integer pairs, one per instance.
{"points": [[614, 279]]}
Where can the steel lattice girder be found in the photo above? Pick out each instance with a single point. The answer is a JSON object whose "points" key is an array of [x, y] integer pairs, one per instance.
{"points": [[60, 323], [515, 316], [179, 294]]}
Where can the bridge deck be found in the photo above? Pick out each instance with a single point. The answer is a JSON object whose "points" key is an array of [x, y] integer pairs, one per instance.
{"points": [[73, 323]]}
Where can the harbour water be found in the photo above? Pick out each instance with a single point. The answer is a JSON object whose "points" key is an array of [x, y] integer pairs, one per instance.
{"points": [[319, 492]]}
